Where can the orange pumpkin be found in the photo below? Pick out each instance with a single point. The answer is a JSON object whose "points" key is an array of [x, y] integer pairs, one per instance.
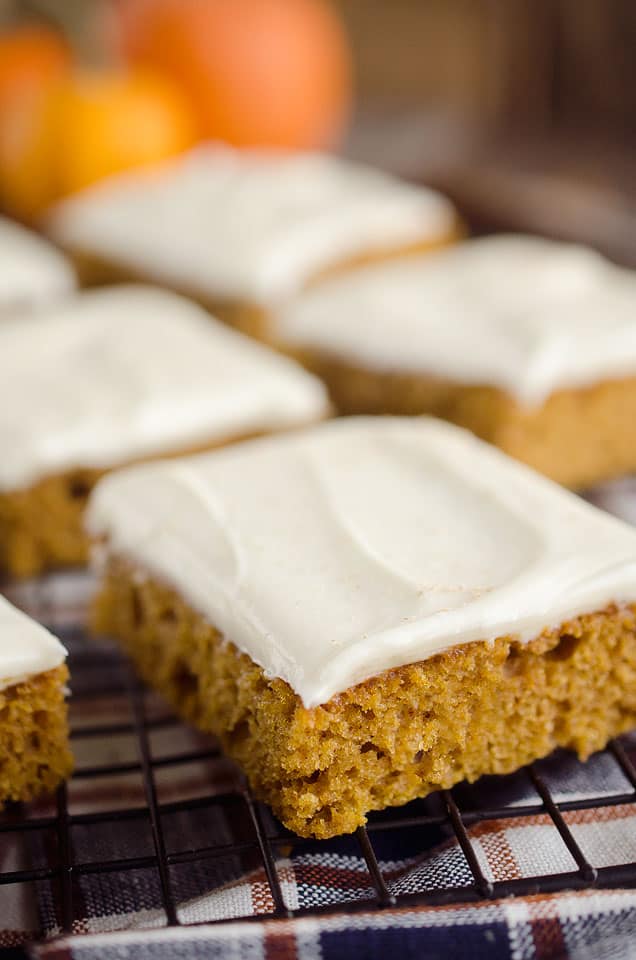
{"points": [[258, 72], [32, 60], [27, 174], [84, 128], [31, 57], [111, 121]]}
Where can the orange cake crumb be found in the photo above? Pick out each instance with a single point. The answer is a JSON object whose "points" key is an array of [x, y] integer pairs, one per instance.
{"points": [[578, 437], [481, 708], [34, 736]]}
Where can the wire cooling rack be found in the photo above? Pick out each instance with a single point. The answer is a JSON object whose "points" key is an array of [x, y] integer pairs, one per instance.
{"points": [[93, 832]]}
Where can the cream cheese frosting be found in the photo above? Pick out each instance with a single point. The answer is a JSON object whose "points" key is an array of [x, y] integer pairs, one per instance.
{"points": [[247, 225], [527, 315], [32, 271], [365, 544], [26, 648], [126, 372]]}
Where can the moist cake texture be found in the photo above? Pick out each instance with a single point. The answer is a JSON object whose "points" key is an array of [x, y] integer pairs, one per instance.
{"points": [[32, 272], [395, 607], [529, 343], [247, 228], [33, 726], [116, 376]]}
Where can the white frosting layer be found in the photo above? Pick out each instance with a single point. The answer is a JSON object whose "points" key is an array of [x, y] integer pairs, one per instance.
{"points": [[26, 648], [527, 315], [32, 271], [247, 225], [127, 372], [365, 544]]}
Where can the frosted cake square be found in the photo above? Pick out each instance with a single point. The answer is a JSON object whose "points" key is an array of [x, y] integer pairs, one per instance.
{"points": [[32, 272], [115, 376], [529, 343], [242, 230], [393, 607], [33, 724]]}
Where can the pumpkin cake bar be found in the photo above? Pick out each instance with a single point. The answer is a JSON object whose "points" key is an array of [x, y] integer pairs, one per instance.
{"points": [[115, 376], [241, 230], [393, 607], [34, 750], [529, 343], [32, 272]]}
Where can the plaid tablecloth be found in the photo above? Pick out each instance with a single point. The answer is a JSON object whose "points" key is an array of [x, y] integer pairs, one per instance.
{"points": [[119, 914]]}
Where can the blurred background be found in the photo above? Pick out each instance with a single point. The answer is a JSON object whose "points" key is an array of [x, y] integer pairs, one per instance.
{"points": [[524, 111]]}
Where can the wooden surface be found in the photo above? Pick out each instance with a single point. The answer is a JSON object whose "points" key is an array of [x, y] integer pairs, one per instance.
{"points": [[526, 64]]}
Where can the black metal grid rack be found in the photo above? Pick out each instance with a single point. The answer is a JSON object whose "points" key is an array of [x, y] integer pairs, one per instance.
{"points": [[255, 838]]}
